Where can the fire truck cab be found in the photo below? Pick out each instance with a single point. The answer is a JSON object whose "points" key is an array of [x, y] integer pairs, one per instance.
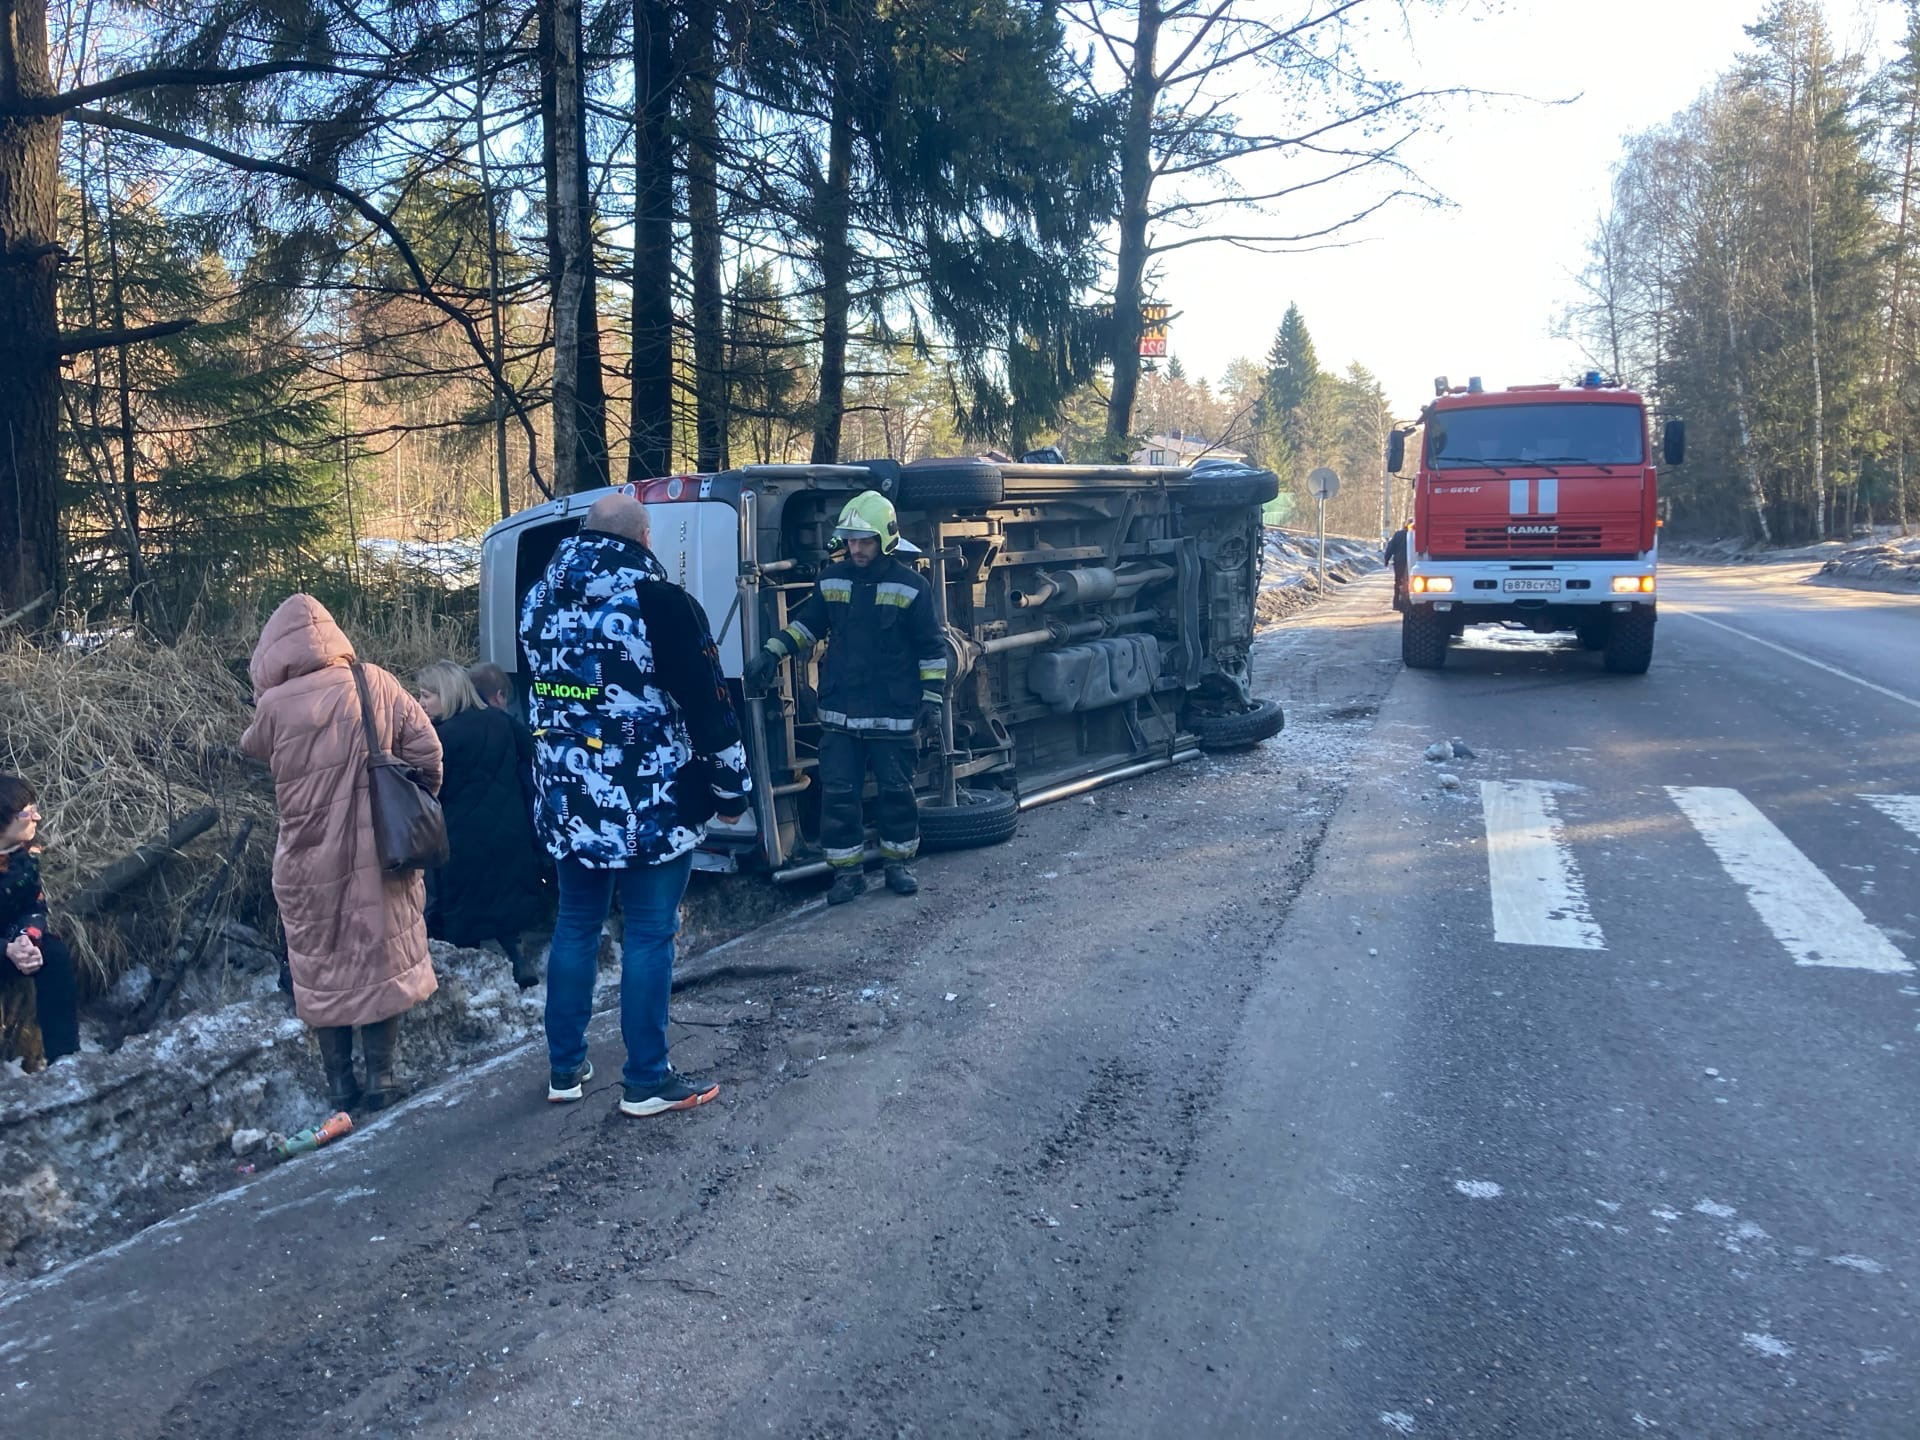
{"points": [[1535, 507]]}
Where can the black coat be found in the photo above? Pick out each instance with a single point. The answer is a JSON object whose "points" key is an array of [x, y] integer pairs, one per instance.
{"points": [[493, 883]]}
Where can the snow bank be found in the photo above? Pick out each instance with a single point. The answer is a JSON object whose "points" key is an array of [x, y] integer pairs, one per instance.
{"points": [[1290, 575], [101, 1145], [1892, 562]]}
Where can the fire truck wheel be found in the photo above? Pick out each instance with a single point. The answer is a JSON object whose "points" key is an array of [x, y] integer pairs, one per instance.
{"points": [[1423, 639], [981, 818], [1219, 489], [1237, 729], [949, 485], [1629, 647]]}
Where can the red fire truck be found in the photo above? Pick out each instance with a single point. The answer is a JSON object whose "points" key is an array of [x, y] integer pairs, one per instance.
{"points": [[1535, 507]]}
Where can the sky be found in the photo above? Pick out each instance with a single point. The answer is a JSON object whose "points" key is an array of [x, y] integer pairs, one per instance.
{"points": [[1474, 289]]}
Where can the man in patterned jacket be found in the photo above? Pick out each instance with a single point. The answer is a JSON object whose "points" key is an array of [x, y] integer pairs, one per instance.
{"points": [[884, 676], [635, 748]]}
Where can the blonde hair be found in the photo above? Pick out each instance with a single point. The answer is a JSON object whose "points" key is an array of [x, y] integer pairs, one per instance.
{"points": [[449, 682]]}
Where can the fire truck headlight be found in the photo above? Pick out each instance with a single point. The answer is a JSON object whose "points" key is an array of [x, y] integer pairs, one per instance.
{"points": [[1633, 584], [1431, 584]]}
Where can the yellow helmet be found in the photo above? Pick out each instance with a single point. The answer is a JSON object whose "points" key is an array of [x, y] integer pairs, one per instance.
{"points": [[869, 514]]}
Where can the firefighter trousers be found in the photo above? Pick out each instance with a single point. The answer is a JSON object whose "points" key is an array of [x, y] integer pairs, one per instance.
{"points": [[844, 760]]}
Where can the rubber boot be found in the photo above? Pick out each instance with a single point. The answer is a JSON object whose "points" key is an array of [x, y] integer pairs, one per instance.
{"points": [[336, 1057], [900, 879], [377, 1043], [847, 885]]}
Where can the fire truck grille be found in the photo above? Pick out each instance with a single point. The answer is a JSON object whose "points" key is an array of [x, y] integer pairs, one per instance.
{"points": [[1566, 540]]}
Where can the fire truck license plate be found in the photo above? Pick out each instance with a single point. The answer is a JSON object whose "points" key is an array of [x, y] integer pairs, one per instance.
{"points": [[1530, 584]]}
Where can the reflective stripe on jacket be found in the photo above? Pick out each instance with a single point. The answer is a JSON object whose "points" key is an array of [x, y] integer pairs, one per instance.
{"points": [[885, 653]]}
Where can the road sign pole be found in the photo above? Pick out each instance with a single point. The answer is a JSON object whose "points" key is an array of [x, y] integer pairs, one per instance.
{"points": [[1323, 485]]}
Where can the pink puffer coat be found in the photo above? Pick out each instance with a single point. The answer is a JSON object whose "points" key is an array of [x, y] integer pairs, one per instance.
{"points": [[356, 939]]}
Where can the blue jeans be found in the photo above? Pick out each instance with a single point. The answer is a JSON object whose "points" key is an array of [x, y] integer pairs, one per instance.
{"points": [[650, 904]]}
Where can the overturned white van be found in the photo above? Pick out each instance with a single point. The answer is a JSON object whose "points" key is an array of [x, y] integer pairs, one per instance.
{"points": [[1098, 623]]}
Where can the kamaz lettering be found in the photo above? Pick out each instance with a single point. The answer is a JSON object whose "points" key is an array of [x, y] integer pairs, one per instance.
{"points": [[1533, 529]]}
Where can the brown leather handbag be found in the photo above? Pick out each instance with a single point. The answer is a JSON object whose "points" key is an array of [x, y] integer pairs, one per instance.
{"points": [[409, 829]]}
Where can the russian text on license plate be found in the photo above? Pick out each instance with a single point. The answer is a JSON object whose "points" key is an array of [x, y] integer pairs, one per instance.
{"points": [[1530, 584]]}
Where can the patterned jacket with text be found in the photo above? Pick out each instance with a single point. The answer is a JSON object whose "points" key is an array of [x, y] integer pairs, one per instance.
{"points": [[635, 741]]}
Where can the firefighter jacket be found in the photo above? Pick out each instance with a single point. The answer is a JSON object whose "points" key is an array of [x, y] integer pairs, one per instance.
{"points": [[885, 654], [635, 741]]}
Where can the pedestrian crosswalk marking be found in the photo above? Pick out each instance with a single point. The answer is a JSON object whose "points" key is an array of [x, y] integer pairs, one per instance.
{"points": [[1901, 809], [1538, 898], [1805, 910]]}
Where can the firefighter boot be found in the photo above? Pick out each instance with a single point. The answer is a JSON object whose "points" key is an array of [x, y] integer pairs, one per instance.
{"points": [[336, 1058], [376, 1047], [847, 885], [900, 879]]}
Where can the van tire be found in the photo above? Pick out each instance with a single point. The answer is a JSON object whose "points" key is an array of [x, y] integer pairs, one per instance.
{"points": [[1223, 489], [1629, 647], [1423, 638], [1238, 729], [981, 818], [949, 485]]}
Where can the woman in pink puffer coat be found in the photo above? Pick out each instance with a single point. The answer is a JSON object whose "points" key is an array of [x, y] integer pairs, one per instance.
{"points": [[356, 936]]}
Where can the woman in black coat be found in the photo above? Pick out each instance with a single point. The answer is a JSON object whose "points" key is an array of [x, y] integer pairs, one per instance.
{"points": [[30, 949], [492, 886]]}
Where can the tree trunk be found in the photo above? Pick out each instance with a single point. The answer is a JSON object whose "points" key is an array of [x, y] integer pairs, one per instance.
{"points": [[650, 445], [29, 371], [704, 243], [1819, 395], [579, 394], [496, 336], [1756, 493], [833, 210], [1136, 183]]}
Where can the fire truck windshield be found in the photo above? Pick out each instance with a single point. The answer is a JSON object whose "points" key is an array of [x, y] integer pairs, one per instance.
{"points": [[1494, 436]]}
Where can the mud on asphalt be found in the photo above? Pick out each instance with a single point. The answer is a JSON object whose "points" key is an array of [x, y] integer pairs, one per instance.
{"points": [[946, 1130]]}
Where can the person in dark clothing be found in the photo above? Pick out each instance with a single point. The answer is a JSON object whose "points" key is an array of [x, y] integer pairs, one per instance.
{"points": [[493, 686], [884, 676], [30, 948], [1396, 556], [490, 888], [635, 748]]}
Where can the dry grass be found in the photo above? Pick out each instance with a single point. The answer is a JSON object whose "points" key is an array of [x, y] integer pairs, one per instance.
{"points": [[125, 738]]}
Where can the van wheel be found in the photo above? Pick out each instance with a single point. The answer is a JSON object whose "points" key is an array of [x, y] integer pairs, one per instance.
{"points": [[980, 818], [1237, 729], [1629, 647], [1223, 489], [949, 485], [1423, 638]]}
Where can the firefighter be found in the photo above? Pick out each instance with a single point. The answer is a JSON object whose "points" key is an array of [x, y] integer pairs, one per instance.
{"points": [[883, 677]]}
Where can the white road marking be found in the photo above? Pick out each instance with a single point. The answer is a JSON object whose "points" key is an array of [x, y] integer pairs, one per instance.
{"points": [[1538, 898], [1795, 654], [1478, 1189], [1901, 809], [1805, 910]]}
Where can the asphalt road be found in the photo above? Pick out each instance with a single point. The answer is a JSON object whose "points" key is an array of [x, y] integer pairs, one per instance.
{"points": [[1300, 1093]]}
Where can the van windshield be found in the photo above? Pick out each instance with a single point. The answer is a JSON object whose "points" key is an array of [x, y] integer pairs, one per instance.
{"points": [[1498, 435]]}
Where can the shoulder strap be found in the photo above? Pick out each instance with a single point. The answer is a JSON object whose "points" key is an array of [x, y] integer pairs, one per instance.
{"points": [[366, 711]]}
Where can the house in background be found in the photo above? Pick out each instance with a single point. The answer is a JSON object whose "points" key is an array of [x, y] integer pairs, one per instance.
{"points": [[1176, 448]]}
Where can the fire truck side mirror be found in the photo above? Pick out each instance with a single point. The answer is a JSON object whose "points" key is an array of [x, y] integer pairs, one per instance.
{"points": [[1396, 451], [1674, 442]]}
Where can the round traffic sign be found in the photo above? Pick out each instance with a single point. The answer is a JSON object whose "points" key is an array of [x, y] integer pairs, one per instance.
{"points": [[1322, 483]]}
